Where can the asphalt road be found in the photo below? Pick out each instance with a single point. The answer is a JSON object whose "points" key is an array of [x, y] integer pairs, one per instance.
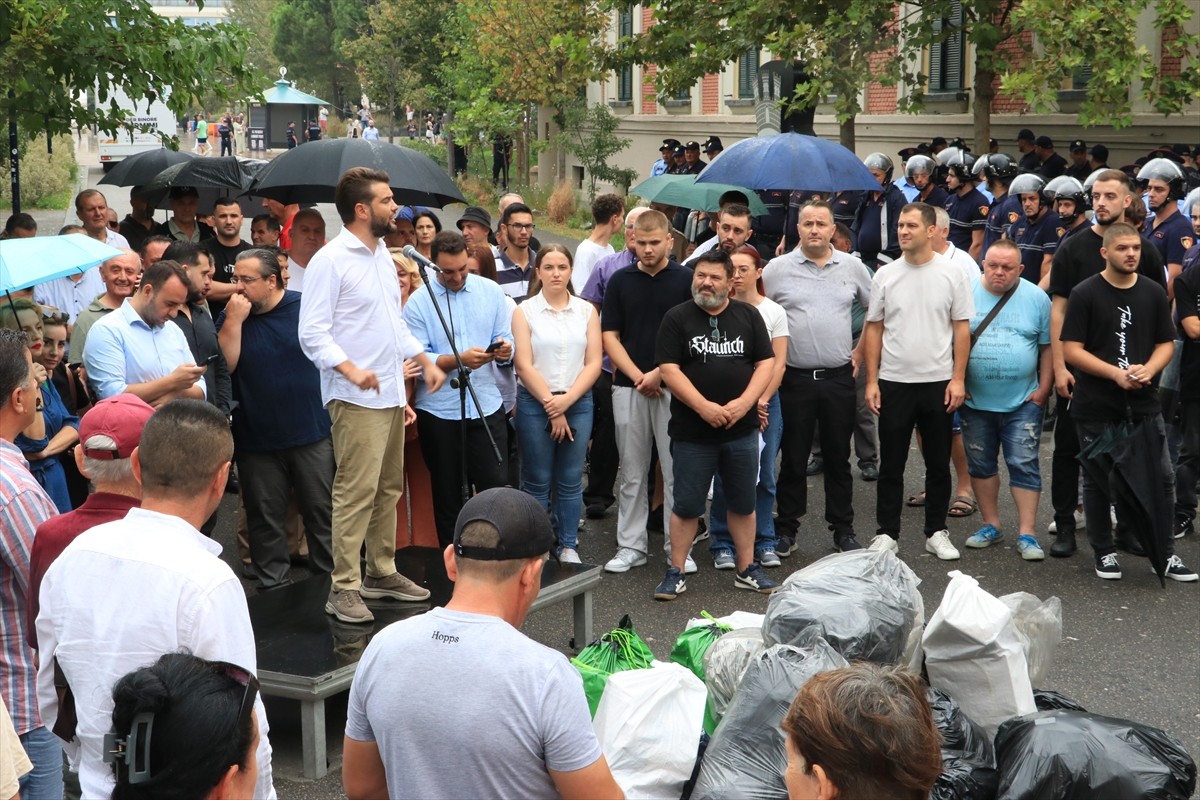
{"points": [[1130, 648]]}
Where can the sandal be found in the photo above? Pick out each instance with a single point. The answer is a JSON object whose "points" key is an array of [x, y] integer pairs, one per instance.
{"points": [[962, 506], [916, 501]]}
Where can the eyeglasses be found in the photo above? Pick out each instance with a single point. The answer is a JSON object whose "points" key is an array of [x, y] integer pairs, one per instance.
{"points": [[520, 226], [246, 281]]}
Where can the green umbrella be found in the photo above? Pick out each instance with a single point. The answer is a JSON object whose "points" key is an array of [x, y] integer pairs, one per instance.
{"points": [[683, 191]]}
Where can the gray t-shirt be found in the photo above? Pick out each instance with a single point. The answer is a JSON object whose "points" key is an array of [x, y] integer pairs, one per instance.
{"points": [[918, 306], [818, 303], [464, 705]]}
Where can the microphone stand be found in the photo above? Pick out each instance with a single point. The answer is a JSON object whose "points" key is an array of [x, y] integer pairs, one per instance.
{"points": [[462, 382]]}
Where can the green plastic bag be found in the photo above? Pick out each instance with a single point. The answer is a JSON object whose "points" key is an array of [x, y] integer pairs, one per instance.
{"points": [[693, 643], [619, 649]]}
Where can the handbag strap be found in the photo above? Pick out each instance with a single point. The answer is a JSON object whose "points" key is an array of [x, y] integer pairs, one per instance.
{"points": [[991, 315]]}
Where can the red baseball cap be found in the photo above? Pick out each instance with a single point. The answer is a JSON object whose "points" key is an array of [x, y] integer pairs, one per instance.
{"points": [[121, 418]]}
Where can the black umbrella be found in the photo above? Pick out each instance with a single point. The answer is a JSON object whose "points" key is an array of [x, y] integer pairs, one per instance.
{"points": [[310, 173], [226, 176], [144, 167], [1118, 458]]}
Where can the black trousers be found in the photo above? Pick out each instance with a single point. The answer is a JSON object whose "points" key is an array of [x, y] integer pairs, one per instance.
{"points": [[904, 405], [603, 459], [1188, 467], [1064, 468], [805, 402], [268, 480], [440, 445]]}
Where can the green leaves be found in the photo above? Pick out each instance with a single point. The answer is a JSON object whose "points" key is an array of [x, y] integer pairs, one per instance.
{"points": [[52, 52]]}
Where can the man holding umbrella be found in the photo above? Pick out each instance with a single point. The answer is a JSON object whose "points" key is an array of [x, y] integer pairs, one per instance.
{"points": [[1117, 333]]}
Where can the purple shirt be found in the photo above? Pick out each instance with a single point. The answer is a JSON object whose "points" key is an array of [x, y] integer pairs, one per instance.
{"points": [[597, 282], [23, 506]]}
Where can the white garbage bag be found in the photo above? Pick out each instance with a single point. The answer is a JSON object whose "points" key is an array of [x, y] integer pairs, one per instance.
{"points": [[649, 723], [974, 653]]}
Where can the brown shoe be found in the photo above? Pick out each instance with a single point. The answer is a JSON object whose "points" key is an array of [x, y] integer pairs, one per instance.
{"points": [[347, 605], [395, 586]]}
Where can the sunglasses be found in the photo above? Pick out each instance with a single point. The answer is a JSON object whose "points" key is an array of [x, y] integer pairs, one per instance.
{"points": [[713, 334]]}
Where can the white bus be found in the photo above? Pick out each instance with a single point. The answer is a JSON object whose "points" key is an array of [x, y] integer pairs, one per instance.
{"points": [[145, 126]]}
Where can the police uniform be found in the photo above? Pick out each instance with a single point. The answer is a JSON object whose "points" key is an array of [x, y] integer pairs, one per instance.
{"points": [[968, 213], [1173, 237], [1002, 215], [1036, 240]]}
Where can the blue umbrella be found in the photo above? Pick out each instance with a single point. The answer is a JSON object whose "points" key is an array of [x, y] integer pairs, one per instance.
{"points": [[790, 161], [28, 262]]}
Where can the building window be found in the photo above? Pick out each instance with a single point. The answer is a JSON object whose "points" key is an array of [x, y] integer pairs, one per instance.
{"points": [[946, 58], [747, 75], [683, 94], [1080, 76], [625, 74]]}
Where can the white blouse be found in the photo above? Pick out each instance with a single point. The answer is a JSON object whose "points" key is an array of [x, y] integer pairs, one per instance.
{"points": [[558, 338]]}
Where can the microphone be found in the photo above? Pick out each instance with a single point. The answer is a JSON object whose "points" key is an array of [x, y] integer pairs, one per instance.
{"points": [[411, 252]]}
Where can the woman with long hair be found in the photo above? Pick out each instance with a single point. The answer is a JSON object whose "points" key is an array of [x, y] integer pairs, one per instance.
{"points": [[747, 287], [557, 360], [71, 388], [426, 225], [54, 429], [184, 729]]}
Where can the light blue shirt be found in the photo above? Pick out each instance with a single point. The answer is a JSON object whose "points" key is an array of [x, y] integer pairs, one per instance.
{"points": [[122, 349], [1003, 368], [910, 191], [478, 315]]}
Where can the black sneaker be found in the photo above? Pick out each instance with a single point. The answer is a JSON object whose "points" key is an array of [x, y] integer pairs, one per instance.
{"points": [[816, 465], [753, 578], [870, 473], [784, 545], [1177, 571], [847, 542], [1108, 568], [596, 510], [1183, 527], [1064, 544], [672, 585]]}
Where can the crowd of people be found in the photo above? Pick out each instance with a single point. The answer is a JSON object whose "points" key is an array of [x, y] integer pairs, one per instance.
{"points": [[303, 368]]}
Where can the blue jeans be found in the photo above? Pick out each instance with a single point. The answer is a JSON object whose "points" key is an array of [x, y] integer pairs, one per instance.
{"points": [[549, 465], [764, 524], [1019, 430], [44, 749]]}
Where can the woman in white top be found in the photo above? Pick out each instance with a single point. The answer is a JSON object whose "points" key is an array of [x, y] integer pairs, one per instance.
{"points": [[747, 275], [557, 360]]}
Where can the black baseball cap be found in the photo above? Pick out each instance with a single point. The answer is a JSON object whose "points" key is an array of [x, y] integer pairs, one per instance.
{"points": [[1025, 134], [908, 153], [938, 140], [1044, 141], [1099, 151], [1078, 145], [669, 144], [713, 144], [677, 150], [523, 525], [692, 146]]}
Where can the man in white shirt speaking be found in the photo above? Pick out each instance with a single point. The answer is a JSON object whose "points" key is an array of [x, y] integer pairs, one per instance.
{"points": [[351, 328]]}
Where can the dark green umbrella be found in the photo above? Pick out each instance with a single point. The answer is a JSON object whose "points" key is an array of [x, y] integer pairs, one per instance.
{"points": [[683, 191]]}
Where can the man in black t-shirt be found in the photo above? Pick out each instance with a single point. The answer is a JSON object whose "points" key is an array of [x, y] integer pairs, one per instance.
{"points": [[224, 248], [1187, 306], [635, 302], [716, 358], [1075, 260], [1117, 334]]}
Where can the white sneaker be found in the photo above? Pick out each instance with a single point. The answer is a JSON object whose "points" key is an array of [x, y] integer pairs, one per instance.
{"points": [[884, 542], [939, 544], [689, 566], [1080, 522], [625, 559], [568, 555]]}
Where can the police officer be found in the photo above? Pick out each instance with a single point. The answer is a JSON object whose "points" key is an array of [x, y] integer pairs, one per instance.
{"points": [[1168, 230], [1037, 233], [1070, 202], [874, 225], [663, 165], [967, 207], [998, 171], [1079, 168], [919, 171]]}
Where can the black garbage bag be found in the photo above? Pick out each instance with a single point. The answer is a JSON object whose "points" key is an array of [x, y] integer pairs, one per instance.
{"points": [[1050, 700], [747, 755], [865, 603], [1073, 755], [968, 761]]}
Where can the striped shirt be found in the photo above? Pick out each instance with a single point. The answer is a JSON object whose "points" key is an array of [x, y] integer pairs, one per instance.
{"points": [[512, 278], [23, 506]]}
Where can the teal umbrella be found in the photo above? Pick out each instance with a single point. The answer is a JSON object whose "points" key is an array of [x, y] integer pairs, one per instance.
{"points": [[684, 192], [28, 262]]}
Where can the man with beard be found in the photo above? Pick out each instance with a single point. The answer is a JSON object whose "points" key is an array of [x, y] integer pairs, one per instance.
{"points": [[362, 386], [515, 266], [120, 276], [197, 323], [308, 237], [224, 249], [716, 358], [734, 229], [1077, 259], [134, 350], [281, 432]]}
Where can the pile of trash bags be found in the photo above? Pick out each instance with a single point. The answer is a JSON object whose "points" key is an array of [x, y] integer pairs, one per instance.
{"points": [[707, 724]]}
